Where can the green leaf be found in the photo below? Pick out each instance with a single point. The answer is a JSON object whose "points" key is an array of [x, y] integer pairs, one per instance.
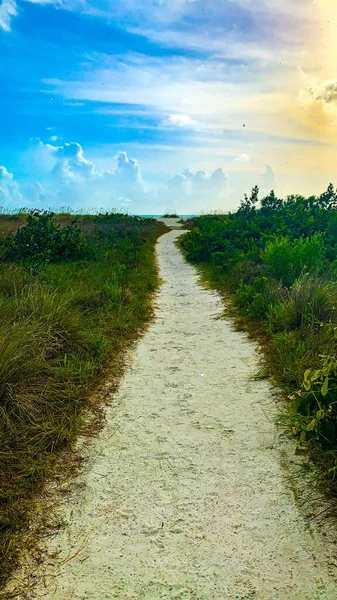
{"points": [[307, 374], [315, 375], [319, 415], [325, 387], [303, 437], [312, 425]]}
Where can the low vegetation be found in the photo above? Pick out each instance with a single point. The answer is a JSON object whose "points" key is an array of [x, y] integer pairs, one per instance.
{"points": [[278, 261], [74, 293]]}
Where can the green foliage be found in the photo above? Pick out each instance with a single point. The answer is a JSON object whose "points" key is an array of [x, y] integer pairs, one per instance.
{"points": [[256, 298], [40, 241], [310, 302], [314, 406], [287, 259]]}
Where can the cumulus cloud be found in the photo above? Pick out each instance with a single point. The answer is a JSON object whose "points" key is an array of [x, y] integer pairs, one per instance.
{"points": [[197, 191], [64, 176], [215, 181], [28, 194], [318, 90], [34, 194], [70, 178], [8, 10], [9, 189], [71, 163], [318, 103], [268, 180], [127, 171], [125, 182]]}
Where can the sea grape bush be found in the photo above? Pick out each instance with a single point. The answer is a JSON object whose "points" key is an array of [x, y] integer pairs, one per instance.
{"points": [[315, 404], [41, 241]]}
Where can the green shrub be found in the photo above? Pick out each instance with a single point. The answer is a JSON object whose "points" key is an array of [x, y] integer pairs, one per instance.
{"points": [[194, 247], [256, 298], [226, 259], [41, 241], [287, 259], [314, 406]]}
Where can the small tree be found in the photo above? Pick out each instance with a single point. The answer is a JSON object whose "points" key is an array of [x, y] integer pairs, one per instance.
{"points": [[328, 199], [271, 202], [248, 204]]}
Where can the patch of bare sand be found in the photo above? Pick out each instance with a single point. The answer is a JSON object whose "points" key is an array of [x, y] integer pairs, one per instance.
{"points": [[172, 222], [183, 495]]}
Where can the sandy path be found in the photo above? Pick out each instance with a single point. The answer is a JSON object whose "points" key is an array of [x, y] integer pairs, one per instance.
{"points": [[183, 495]]}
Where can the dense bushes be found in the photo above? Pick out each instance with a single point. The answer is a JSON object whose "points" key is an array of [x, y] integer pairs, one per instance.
{"points": [[278, 259], [287, 258], [70, 302], [41, 241]]}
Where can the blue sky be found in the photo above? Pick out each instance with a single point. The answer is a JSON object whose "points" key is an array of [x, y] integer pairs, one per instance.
{"points": [[178, 104]]}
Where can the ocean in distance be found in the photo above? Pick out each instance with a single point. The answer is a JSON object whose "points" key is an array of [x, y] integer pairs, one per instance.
{"points": [[160, 216]]}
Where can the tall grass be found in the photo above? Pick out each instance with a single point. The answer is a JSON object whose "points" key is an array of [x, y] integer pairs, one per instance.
{"points": [[311, 301], [61, 328]]}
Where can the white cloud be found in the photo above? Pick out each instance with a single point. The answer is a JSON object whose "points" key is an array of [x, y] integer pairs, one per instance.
{"points": [[126, 180], [268, 180], [53, 138], [127, 169], [318, 100], [35, 195], [8, 10], [177, 91], [242, 158], [180, 121], [10, 193], [185, 88], [317, 90], [69, 178], [62, 3], [15, 195], [244, 76], [71, 163], [65, 176], [197, 191]]}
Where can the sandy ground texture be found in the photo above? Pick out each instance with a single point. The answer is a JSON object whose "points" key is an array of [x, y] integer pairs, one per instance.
{"points": [[183, 495]]}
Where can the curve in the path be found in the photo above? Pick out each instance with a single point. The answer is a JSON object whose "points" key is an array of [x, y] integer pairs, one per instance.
{"points": [[183, 495]]}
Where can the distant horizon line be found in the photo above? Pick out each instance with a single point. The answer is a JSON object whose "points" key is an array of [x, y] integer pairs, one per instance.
{"points": [[66, 210]]}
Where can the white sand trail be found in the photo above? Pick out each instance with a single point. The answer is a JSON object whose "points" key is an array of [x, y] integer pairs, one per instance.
{"points": [[183, 495]]}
